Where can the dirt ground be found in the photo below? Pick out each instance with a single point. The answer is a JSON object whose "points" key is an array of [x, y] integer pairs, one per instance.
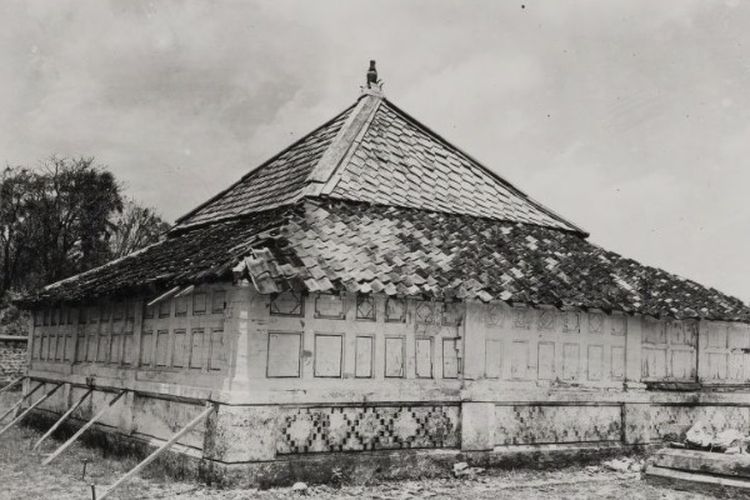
{"points": [[22, 477]]}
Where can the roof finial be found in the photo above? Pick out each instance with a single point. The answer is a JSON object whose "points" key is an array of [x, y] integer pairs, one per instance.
{"points": [[372, 74], [374, 86]]}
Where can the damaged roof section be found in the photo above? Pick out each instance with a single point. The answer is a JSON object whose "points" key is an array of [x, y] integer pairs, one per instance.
{"points": [[398, 251], [205, 253], [332, 246]]}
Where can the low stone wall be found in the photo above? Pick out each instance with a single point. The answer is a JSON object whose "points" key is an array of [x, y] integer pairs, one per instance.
{"points": [[271, 444], [12, 357]]}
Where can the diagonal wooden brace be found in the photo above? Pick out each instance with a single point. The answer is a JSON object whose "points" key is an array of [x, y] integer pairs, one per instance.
{"points": [[62, 419], [83, 429], [135, 470], [20, 401], [30, 408], [13, 383]]}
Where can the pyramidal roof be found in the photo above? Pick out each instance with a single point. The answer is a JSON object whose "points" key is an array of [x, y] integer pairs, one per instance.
{"points": [[376, 153], [375, 202]]}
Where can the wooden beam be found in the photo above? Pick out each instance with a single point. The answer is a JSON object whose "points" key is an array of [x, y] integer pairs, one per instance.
{"points": [[135, 470], [164, 296], [83, 429], [28, 410], [18, 403], [185, 291], [13, 383], [62, 419]]}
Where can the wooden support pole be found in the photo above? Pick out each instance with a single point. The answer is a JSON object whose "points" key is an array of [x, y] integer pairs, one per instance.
{"points": [[18, 403], [13, 383], [83, 429], [166, 295], [135, 470], [62, 419], [28, 410]]}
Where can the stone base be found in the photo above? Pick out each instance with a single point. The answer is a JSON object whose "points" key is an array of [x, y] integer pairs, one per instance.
{"points": [[348, 467]]}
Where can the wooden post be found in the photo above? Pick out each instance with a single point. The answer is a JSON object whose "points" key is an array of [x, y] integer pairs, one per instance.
{"points": [[28, 410], [18, 403], [13, 383], [135, 470], [62, 419], [83, 429]]}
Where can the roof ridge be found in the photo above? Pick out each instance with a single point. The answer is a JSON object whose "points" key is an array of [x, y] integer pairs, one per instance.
{"points": [[344, 142]]}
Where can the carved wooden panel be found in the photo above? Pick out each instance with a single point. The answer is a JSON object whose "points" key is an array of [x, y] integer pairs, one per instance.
{"points": [[181, 350], [618, 362], [546, 360], [197, 349], [493, 358], [147, 348], [394, 357], [162, 348], [668, 350], [328, 352], [218, 355], [181, 306], [395, 310], [596, 322], [283, 355], [619, 324], [495, 315], [450, 358], [288, 303], [200, 302], [423, 354], [426, 312], [546, 319], [329, 306], [218, 301], [453, 313], [519, 361], [364, 357], [571, 361], [522, 317], [366, 307], [595, 360]]}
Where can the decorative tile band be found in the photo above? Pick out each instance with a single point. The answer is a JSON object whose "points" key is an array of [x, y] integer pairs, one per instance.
{"points": [[330, 429], [538, 424]]}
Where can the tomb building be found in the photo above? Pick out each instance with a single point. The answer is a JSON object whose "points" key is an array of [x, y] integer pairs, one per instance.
{"points": [[373, 296]]}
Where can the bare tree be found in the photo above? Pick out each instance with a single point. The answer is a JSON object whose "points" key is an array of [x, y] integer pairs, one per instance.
{"points": [[135, 227]]}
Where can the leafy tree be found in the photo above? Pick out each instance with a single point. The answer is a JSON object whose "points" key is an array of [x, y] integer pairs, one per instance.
{"points": [[15, 229], [70, 205], [64, 218]]}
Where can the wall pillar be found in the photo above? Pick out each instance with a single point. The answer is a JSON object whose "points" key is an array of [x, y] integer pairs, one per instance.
{"points": [[633, 340], [241, 434], [636, 423], [701, 346], [474, 341], [237, 325], [477, 426]]}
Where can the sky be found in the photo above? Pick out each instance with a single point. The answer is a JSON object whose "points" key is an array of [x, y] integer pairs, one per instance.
{"points": [[629, 118]]}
